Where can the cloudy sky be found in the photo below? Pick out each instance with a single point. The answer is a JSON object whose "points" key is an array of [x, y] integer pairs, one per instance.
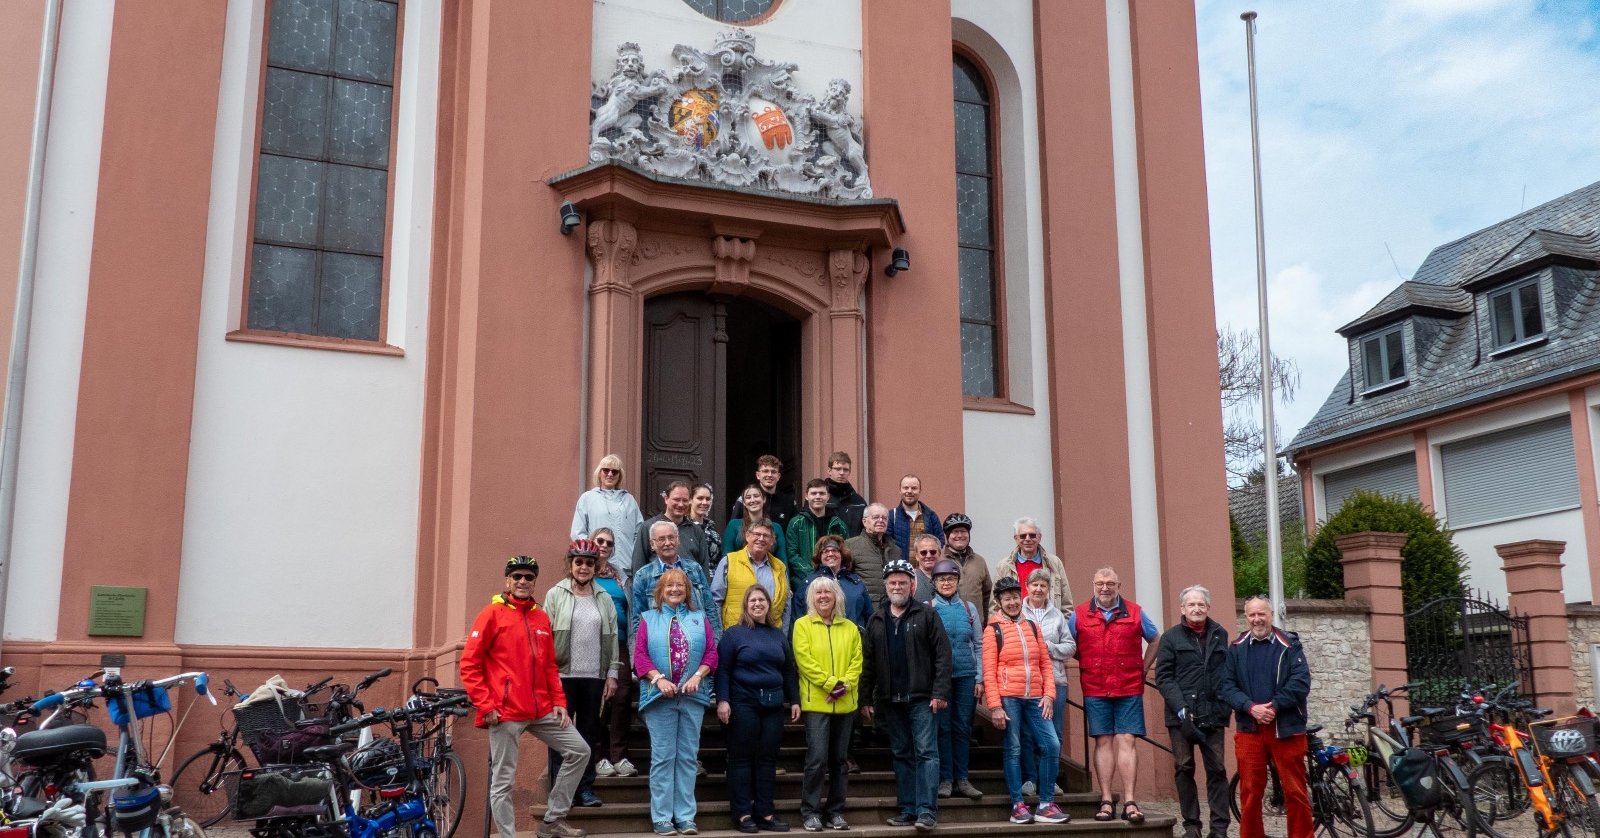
{"points": [[1387, 128]]}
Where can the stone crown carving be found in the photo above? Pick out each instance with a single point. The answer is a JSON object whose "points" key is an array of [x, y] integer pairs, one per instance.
{"points": [[729, 117]]}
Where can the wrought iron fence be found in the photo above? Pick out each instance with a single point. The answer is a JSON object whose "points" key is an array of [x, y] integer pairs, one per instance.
{"points": [[1465, 638]]}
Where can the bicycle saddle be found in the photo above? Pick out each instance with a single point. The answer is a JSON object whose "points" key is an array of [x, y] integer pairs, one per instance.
{"points": [[59, 741], [1411, 721], [328, 753], [1313, 730], [1430, 712]]}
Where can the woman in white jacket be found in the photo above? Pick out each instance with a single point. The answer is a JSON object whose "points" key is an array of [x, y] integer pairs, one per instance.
{"points": [[1039, 608], [609, 505]]}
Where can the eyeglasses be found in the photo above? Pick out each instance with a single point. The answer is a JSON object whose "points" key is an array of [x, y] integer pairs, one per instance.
{"points": [[830, 549], [758, 535], [523, 577], [1028, 535], [928, 552]]}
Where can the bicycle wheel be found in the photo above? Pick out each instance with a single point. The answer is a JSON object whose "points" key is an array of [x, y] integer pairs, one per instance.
{"points": [[1390, 815], [1271, 797], [1498, 796], [447, 792], [1581, 811], [197, 784], [1340, 803]]}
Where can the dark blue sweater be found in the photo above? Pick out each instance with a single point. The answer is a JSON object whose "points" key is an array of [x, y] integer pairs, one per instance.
{"points": [[751, 658]]}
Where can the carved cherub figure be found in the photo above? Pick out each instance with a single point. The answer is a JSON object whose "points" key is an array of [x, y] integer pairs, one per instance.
{"points": [[841, 131], [627, 88]]}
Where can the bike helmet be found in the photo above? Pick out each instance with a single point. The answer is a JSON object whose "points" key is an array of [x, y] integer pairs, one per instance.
{"points": [[379, 764], [956, 520], [516, 563], [946, 567], [898, 566], [583, 547], [1008, 583]]}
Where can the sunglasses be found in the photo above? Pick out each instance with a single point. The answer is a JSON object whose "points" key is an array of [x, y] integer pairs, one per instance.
{"points": [[523, 577], [928, 552], [582, 561], [1029, 535], [600, 543], [611, 471]]}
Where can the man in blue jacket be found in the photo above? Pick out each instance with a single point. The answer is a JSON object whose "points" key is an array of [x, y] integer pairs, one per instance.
{"points": [[1267, 682]]}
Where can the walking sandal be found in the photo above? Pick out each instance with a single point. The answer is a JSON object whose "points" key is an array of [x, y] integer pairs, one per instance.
{"points": [[1131, 812], [1107, 811]]}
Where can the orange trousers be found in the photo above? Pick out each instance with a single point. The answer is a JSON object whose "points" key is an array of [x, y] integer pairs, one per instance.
{"points": [[1289, 756]]}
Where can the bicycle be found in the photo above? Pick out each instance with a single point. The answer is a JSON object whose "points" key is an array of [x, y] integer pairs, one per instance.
{"points": [[140, 802], [1559, 772], [443, 771], [1333, 783]]}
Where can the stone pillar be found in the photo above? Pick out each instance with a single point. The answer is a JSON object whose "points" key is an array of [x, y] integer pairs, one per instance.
{"points": [[1372, 575], [842, 390], [614, 350], [1533, 576]]}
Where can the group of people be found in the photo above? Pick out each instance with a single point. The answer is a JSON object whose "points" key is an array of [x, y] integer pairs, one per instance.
{"points": [[832, 609]]}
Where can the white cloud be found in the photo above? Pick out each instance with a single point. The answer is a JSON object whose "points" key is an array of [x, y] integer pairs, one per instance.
{"points": [[1384, 128]]}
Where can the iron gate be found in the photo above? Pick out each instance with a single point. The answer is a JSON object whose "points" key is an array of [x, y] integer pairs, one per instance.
{"points": [[1466, 638]]}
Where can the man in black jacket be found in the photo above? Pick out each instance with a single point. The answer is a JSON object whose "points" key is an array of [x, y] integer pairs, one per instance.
{"points": [[1189, 668], [844, 501], [905, 679]]}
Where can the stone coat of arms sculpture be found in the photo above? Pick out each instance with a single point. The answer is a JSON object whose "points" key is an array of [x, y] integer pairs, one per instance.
{"points": [[728, 117]]}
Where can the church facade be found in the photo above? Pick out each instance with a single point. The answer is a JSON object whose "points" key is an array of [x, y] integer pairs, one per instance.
{"points": [[328, 307]]}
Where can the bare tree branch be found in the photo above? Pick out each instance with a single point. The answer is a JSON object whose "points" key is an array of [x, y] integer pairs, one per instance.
{"points": [[1239, 374]]}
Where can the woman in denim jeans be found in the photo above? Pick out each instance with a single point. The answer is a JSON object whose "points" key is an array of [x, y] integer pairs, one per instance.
{"points": [[756, 693], [673, 653], [963, 626], [1039, 608]]}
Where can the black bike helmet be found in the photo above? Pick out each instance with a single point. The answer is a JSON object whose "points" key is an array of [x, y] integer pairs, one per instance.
{"points": [[378, 765], [947, 567], [516, 563], [899, 566], [1007, 583], [956, 520]]}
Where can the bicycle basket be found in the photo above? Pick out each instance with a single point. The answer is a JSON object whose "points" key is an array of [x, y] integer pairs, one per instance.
{"points": [[263, 717], [1452, 731], [279, 791], [379, 765], [1569, 737]]}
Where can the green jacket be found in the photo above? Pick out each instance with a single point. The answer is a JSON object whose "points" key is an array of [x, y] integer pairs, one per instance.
{"points": [[558, 605], [824, 655], [803, 532]]}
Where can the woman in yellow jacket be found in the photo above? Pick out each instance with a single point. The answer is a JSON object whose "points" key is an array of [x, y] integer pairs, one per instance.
{"points": [[827, 653]]}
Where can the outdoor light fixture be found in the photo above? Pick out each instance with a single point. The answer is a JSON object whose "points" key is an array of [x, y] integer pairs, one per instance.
{"points": [[569, 217], [900, 261]]}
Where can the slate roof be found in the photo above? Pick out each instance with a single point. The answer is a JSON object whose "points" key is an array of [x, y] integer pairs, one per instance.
{"points": [[1249, 508], [1452, 370]]}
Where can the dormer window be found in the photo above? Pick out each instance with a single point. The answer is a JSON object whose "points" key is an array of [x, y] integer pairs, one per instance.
{"points": [[1383, 358], [1516, 314]]}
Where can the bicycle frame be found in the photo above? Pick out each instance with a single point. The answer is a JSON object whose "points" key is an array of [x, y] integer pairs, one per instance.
{"points": [[1536, 774]]}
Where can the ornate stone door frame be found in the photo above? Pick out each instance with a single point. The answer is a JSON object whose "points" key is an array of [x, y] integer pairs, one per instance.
{"points": [[811, 258]]}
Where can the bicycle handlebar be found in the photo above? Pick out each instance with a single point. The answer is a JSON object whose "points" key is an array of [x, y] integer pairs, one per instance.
{"points": [[374, 678], [381, 715], [201, 683]]}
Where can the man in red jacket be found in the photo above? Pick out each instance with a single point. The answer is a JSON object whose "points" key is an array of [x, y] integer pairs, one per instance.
{"points": [[509, 670], [1111, 633]]}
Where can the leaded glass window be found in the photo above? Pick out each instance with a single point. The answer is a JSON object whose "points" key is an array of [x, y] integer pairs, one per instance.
{"points": [[322, 185], [975, 234], [732, 11]]}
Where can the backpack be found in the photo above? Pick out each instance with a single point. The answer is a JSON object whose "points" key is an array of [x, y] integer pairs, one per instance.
{"points": [[1000, 636]]}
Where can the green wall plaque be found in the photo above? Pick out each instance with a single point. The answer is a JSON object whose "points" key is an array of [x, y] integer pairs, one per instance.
{"points": [[116, 611]]}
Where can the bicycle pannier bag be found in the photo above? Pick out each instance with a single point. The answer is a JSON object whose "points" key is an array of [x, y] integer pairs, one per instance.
{"points": [[288, 746], [1417, 776], [277, 793]]}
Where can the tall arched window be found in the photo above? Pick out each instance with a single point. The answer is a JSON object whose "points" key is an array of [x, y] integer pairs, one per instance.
{"points": [[978, 240]]}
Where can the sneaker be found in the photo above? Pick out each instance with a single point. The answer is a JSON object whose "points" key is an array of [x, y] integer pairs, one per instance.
{"points": [[604, 768], [927, 823], [1020, 813], [944, 789], [559, 829], [589, 799], [664, 828], [967, 790], [1049, 813], [852, 767], [838, 822], [1058, 792], [699, 768], [812, 823], [902, 819], [780, 771], [688, 828], [625, 768], [1029, 789]]}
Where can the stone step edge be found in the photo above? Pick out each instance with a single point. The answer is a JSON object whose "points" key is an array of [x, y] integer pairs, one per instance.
{"points": [[853, 804], [1154, 824]]}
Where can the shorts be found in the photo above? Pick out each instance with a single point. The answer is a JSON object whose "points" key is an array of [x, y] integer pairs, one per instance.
{"points": [[1107, 716]]}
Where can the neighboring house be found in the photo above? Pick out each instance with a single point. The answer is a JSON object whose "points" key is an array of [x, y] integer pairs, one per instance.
{"points": [[1249, 508], [1473, 387]]}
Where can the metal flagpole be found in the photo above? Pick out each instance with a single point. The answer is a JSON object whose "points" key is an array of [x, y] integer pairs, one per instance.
{"points": [[1269, 453]]}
